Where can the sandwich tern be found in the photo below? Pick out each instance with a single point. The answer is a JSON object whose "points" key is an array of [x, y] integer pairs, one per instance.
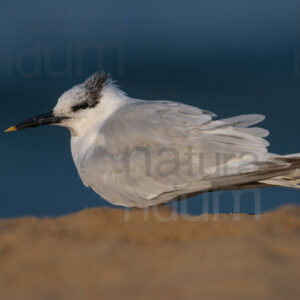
{"points": [[139, 153]]}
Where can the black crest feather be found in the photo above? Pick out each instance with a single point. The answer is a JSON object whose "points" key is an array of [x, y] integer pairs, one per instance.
{"points": [[93, 87]]}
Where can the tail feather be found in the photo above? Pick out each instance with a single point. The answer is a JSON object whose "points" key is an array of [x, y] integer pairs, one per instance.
{"points": [[282, 181], [292, 178]]}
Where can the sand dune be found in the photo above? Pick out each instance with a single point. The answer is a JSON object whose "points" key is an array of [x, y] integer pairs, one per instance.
{"points": [[97, 254]]}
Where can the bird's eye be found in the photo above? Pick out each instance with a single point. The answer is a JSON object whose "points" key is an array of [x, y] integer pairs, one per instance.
{"points": [[79, 106]]}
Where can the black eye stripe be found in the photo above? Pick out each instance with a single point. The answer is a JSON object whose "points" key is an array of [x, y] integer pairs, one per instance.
{"points": [[80, 106]]}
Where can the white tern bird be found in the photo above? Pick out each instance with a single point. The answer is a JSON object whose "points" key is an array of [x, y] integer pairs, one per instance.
{"points": [[139, 153]]}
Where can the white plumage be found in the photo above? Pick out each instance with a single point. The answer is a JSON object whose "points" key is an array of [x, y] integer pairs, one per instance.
{"points": [[141, 153], [123, 151]]}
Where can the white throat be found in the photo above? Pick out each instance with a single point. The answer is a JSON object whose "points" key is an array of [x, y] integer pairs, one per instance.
{"points": [[85, 130]]}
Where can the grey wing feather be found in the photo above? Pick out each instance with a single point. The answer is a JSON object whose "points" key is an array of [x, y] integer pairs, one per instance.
{"points": [[144, 151]]}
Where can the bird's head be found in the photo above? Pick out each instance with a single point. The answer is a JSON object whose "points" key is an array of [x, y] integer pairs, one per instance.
{"points": [[73, 107]]}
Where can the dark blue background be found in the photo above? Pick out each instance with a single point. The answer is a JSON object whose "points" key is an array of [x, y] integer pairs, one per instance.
{"points": [[230, 57]]}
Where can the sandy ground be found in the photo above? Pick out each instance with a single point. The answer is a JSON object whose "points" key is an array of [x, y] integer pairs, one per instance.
{"points": [[106, 254]]}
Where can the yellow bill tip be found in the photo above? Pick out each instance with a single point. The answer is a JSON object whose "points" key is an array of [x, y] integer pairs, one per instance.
{"points": [[12, 128]]}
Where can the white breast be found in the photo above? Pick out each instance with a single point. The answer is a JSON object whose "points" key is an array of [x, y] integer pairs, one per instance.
{"points": [[88, 128]]}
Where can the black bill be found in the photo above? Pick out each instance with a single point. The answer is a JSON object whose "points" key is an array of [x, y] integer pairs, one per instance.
{"points": [[44, 119]]}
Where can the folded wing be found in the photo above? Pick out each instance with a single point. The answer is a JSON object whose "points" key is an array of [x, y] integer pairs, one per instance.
{"points": [[150, 152]]}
